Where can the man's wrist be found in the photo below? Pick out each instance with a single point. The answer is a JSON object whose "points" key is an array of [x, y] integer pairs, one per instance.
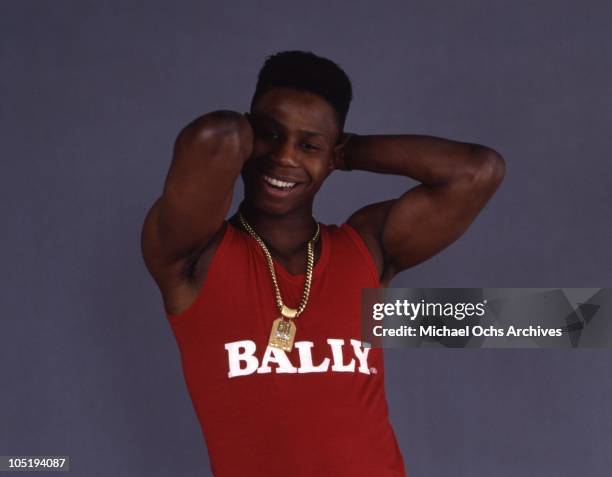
{"points": [[345, 155]]}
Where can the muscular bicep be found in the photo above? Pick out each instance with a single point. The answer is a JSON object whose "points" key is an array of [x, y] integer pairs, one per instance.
{"points": [[207, 158], [427, 219], [406, 231]]}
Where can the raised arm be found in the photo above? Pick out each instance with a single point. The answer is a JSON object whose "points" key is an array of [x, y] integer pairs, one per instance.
{"points": [[208, 156], [457, 180]]}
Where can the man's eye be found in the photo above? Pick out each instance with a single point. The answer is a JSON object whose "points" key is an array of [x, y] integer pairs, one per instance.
{"points": [[307, 145]]}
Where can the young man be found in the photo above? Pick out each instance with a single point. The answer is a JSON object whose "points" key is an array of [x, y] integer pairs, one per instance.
{"points": [[265, 306]]}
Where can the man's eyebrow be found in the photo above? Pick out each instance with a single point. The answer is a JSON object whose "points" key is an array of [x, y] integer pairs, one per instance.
{"points": [[312, 133], [263, 117]]}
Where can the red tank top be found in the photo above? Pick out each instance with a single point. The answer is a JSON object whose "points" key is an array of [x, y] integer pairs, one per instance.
{"points": [[318, 410]]}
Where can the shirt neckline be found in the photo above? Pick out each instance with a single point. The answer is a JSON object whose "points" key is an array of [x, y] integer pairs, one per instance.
{"points": [[280, 269]]}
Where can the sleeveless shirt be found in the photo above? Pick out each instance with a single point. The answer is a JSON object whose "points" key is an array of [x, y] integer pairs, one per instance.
{"points": [[318, 410]]}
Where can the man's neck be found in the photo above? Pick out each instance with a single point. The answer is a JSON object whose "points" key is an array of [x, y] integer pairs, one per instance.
{"points": [[284, 235]]}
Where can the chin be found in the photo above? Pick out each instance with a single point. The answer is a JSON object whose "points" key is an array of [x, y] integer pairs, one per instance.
{"points": [[266, 204]]}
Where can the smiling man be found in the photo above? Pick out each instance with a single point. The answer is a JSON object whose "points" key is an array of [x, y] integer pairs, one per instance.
{"points": [[265, 305]]}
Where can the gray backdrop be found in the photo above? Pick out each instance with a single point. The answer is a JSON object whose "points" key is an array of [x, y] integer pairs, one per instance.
{"points": [[93, 94]]}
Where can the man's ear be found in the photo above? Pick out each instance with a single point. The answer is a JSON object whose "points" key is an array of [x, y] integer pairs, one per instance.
{"points": [[339, 152], [331, 166]]}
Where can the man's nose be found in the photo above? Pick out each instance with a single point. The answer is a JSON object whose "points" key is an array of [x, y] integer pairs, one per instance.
{"points": [[284, 154]]}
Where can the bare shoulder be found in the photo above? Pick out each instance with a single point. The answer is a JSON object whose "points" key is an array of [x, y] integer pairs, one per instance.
{"points": [[369, 222], [179, 280]]}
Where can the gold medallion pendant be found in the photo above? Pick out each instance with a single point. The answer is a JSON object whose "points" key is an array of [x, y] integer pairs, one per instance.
{"points": [[282, 334]]}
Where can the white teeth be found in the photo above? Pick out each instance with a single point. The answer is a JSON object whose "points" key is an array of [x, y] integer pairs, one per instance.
{"points": [[277, 183]]}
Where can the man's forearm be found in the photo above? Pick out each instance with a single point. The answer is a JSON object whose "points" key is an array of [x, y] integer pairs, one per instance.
{"points": [[427, 159]]}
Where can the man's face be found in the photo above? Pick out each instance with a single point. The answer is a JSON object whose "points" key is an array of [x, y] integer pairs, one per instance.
{"points": [[295, 139]]}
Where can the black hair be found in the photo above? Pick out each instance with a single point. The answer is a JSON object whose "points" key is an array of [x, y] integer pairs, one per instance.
{"points": [[305, 71]]}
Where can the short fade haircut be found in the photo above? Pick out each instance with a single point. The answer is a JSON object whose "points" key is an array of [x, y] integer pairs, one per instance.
{"points": [[305, 71]]}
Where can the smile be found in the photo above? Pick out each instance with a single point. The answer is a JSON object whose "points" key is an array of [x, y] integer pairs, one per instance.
{"points": [[278, 183]]}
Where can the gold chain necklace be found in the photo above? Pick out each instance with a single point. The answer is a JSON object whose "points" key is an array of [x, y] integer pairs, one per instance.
{"points": [[283, 332]]}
